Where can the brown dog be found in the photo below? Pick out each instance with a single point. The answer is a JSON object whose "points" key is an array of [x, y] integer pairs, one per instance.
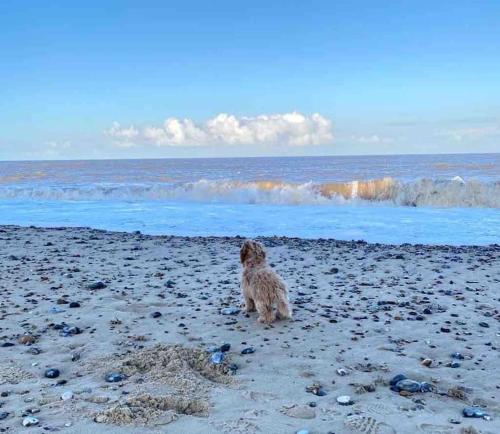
{"points": [[261, 286]]}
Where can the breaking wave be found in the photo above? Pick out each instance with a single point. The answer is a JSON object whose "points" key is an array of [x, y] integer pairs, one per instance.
{"points": [[424, 192]]}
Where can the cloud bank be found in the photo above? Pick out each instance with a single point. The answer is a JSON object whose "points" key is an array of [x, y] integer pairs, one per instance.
{"points": [[286, 129]]}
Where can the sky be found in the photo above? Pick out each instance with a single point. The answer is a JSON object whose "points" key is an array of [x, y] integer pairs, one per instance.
{"points": [[148, 79]]}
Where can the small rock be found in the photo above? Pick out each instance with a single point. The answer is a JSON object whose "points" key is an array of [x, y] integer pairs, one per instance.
{"points": [[156, 315], [26, 340], [426, 362], [96, 285], [52, 373], [248, 350], [66, 396], [225, 347], [474, 412], [4, 415], [114, 377], [30, 421], [217, 357], [344, 400], [74, 304], [230, 311]]}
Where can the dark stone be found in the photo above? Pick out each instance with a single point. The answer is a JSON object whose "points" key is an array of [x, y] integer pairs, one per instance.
{"points": [[248, 350], [156, 314], [52, 373], [225, 347], [7, 344], [114, 377], [473, 412], [96, 285], [74, 304]]}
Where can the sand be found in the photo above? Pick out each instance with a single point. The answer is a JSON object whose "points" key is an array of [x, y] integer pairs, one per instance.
{"points": [[363, 313]]}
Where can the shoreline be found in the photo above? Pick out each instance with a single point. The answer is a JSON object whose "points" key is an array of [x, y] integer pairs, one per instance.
{"points": [[363, 313], [282, 238]]}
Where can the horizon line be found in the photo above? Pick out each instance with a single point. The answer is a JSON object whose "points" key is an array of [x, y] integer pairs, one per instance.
{"points": [[245, 157]]}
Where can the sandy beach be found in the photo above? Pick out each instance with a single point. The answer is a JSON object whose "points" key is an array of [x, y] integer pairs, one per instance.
{"points": [[149, 311]]}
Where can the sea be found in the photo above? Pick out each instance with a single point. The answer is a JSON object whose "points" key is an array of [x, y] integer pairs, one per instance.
{"points": [[419, 199]]}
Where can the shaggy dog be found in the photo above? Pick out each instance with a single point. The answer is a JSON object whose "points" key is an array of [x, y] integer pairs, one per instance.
{"points": [[261, 286]]}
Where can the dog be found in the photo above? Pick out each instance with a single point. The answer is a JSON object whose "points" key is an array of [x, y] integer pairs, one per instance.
{"points": [[261, 287]]}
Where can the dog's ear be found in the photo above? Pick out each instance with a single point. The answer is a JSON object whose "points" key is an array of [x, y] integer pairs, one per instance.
{"points": [[260, 252], [245, 248]]}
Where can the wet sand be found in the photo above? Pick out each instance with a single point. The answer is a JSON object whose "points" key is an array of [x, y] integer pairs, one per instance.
{"points": [[148, 308]]}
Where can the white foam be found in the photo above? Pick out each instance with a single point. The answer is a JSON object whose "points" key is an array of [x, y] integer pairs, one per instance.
{"points": [[421, 193]]}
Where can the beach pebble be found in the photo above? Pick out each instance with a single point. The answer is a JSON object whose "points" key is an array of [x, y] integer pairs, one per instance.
{"points": [[344, 400], [114, 377], [426, 362], [52, 373], [26, 340], [156, 315], [342, 372], [474, 412], [66, 396], [217, 357], [230, 311], [96, 285], [30, 421], [248, 350], [69, 331], [74, 304], [4, 415], [225, 347]]}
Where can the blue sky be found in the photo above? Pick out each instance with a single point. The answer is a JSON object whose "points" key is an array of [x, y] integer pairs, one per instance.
{"points": [[118, 79]]}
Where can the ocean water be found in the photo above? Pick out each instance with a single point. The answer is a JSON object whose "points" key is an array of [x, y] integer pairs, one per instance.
{"points": [[431, 199]]}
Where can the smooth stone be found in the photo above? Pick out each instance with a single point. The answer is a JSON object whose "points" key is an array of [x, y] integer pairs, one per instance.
{"points": [[454, 365], [230, 311], [156, 315], [30, 421], [224, 348], [52, 373], [217, 357], [74, 304], [114, 377], [69, 331], [473, 412], [4, 415], [397, 379], [248, 350], [344, 400], [66, 396], [96, 285], [457, 355]]}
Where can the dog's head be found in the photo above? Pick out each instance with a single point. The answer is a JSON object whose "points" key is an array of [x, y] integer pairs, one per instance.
{"points": [[252, 252]]}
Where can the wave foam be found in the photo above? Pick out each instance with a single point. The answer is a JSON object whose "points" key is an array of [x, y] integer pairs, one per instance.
{"points": [[424, 192]]}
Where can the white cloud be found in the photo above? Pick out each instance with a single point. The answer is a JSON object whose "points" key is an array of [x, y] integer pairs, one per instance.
{"points": [[472, 133], [123, 137], [287, 129], [372, 139]]}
